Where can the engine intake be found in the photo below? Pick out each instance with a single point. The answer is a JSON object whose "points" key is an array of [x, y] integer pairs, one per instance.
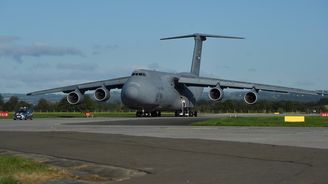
{"points": [[102, 94], [250, 97], [75, 97], [216, 94]]}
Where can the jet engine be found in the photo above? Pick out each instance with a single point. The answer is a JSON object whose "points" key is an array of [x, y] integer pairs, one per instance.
{"points": [[250, 97], [102, 94], [216, 94], [75, 97]]}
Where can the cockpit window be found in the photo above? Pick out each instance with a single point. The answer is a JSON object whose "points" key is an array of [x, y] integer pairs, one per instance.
{"points": [[138, 74]]}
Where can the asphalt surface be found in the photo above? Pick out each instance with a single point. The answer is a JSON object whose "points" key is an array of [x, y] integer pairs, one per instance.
{"points": [[178, 154], [170, 127], [179, 160], [166, 121]]}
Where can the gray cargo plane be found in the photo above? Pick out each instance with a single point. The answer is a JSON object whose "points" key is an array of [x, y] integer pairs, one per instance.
{"points": [[150, 92]]}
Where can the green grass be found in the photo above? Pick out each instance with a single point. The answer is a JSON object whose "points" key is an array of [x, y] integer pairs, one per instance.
{"points": [[8, 180], [11, 164], [276, 121], [19, 170]]}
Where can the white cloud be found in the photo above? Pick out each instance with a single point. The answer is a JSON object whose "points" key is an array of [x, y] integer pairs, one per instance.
{"points": [[7, 39], [79, 67], [98, 48], [16, 52]]}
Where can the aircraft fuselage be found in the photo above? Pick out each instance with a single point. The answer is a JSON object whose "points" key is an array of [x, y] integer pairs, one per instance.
{"points": [[152, 90]]}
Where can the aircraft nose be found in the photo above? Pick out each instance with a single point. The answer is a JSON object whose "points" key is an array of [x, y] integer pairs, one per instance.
{"points": [[131, 92]]}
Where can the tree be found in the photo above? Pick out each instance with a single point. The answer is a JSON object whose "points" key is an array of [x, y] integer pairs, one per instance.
{"points": [[64, 106], [43, 105], [86, 105], [1, 102], [323, 101], [11, 104]]}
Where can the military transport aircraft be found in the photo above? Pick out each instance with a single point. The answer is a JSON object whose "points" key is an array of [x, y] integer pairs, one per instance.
{"points": [[150, 92]]}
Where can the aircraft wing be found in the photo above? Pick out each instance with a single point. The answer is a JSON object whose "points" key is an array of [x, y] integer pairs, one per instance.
{"points": [[110, 84], [211, 82]]}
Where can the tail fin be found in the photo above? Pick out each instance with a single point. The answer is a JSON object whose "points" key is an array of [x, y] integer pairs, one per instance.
{"points": [[199, 38]]}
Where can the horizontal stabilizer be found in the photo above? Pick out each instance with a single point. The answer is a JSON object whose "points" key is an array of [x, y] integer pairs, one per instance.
{"points": [[204, 36], [199, 39]]}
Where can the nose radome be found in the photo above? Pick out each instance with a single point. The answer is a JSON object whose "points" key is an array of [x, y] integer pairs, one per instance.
{"points": [[132, 92]]}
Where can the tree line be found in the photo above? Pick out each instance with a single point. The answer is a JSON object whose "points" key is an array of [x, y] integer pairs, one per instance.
{"points": [[262, 106], [44, 105], [228, 106]]}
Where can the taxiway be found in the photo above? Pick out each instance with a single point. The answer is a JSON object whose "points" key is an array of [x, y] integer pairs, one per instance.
{"points": [[172, 151]]}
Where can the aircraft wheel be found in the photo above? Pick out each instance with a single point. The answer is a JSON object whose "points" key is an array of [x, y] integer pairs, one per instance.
{"points": [[195, 113], [191, 114], [154, 114], [138, 114]]}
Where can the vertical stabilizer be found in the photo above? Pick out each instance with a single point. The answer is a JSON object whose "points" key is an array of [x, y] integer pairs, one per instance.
{"points": [[199, 38], [197, 55]]}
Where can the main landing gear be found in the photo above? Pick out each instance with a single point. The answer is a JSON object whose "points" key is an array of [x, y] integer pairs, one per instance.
{"points": [[185, 113], [148, 114]]}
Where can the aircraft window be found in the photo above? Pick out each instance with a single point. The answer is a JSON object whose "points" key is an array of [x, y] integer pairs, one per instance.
{"points": [[139, 74]]}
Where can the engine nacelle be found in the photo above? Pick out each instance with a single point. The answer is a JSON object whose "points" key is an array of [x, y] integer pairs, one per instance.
{"points": [[216, 94], [250, 97], [75, 97], [102, 94]]}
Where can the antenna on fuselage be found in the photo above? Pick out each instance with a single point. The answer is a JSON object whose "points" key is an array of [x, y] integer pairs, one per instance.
{"points": [[199, 38]]}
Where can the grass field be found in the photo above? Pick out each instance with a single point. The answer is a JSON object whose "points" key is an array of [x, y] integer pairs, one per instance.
{"points": [[14, 170], [276, 121]]}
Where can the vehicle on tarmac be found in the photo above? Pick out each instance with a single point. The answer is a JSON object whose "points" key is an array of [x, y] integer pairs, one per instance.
{"points": [[23, 113]]}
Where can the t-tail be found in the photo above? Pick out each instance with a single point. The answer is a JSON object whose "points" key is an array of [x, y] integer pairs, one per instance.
{"points": [[199, 38]]}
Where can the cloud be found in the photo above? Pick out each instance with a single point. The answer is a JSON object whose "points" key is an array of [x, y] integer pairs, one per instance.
{"points": [[226, 67], [6, 39], [304, 83], [78, 67], [154, 66], [157, 67], [252, 70], [36, 50], [98, 49], [17, 52]]}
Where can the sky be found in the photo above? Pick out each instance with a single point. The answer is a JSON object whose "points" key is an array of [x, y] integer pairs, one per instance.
{"points": [[47, 44]]}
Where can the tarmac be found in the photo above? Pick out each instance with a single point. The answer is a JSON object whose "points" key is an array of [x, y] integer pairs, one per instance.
{"points": [[169, 150]]}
